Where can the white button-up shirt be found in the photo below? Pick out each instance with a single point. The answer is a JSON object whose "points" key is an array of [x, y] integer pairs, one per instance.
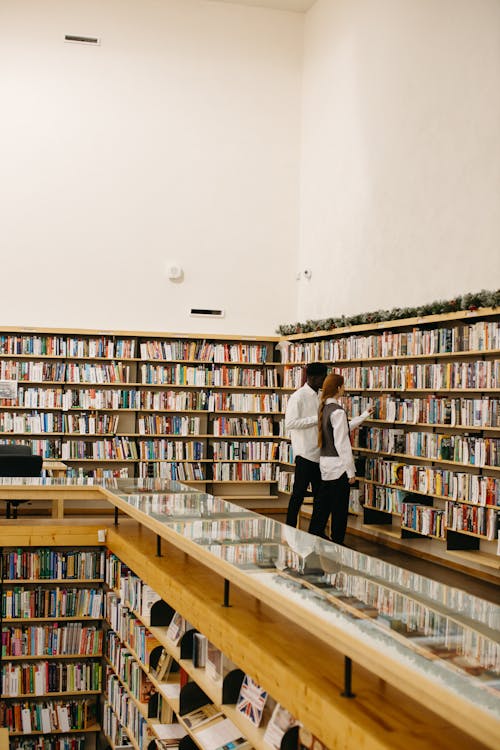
{"points": [[301, 422], [332, 467]]}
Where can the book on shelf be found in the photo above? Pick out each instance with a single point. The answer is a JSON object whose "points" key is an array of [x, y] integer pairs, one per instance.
{"points": [[169, 733], [162, 669], [280, 722], [183, 677], [200, 648], [201, 715], [251, 700], [146, 688], [218, 665], [177, 628], [221, 735], [165, 711], [148, 598]]}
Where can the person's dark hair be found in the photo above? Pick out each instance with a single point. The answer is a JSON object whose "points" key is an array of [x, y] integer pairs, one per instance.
{"points": [[332, 383], [316, 368]]}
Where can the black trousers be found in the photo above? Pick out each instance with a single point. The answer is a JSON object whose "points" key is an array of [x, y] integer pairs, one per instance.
{"points": [[333, 499], [306, 472]]}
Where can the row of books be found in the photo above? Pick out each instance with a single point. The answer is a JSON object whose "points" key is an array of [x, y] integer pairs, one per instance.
{"points": [[171, 470], [53, 716], [169, 450], [137, 594], [47, 422], [387, 499], [203, 351], [114, 372], [481, 521], [43, 677], [32, 371], [47, 563], [136, 399], [285, 480], [247, 451], [252, 426], [51, 640], [129, 630], [48, 742], [464, 449], [99, 450], [470, 488], [478, 336], [214, 375], [124, 664], [224, 472], [154, 424], [445, 375], [60, 372], [126, 711], [424, 519], [66, 346], [36, 601], [468, 412]]}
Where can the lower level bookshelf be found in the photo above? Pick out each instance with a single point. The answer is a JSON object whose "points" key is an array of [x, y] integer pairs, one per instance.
{"points": [[301, 671]]}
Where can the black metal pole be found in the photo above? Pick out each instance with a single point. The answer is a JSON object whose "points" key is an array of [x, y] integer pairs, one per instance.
{"points": [[116, 516], [158, 546], [226, 593], [348, 679]]}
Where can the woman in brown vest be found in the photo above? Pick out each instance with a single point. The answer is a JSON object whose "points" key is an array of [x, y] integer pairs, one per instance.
{"points": [[336, 460]]}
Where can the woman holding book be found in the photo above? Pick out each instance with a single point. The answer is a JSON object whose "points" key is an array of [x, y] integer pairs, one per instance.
{"points": [[336, 461]]}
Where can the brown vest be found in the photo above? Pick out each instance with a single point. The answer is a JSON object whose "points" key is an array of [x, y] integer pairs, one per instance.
{"points": [[328, 448]]}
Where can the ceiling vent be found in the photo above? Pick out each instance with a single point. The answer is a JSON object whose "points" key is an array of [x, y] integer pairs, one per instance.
{"points": [[203, 312], [82, 39]]}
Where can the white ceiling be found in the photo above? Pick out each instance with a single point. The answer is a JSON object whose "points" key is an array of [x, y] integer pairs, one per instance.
{"points": [[299, 6]]}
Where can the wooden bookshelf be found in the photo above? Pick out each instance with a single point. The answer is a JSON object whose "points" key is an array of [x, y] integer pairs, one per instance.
{"points": [[22, 674], [459, 353], [116, 376]]}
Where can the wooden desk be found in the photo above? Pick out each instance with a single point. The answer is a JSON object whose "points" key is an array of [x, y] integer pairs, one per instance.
{"points": [[57, 495]]}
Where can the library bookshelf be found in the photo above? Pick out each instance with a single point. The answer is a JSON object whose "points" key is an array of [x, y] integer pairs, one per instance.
{"points": [[209, 411], [204, 410], [51, 659], [275, 645], [431, 453]]}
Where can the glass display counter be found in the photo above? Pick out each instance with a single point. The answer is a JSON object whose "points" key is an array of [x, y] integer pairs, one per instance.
{"points": [[425, 637], [438, 644]]}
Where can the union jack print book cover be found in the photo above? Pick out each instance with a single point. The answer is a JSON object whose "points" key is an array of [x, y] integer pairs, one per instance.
{"points": [[251, 700]]}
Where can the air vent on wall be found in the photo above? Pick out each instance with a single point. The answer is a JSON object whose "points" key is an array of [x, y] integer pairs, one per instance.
{"points": [[82, 39], [202, 312]]}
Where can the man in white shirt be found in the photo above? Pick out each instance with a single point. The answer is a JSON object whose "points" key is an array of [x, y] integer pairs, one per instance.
{"points": [[301, 422]]}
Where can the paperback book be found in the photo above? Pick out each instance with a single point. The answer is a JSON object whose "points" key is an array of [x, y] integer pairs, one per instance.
{"points": [[280, 722], [201, 715]]}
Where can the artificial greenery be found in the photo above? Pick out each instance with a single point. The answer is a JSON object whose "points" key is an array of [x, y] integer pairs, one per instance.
{"points": [[463, 302]]}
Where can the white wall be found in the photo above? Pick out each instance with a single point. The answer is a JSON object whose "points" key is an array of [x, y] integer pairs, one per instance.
{"points": [[400, 153], [177, 138]]}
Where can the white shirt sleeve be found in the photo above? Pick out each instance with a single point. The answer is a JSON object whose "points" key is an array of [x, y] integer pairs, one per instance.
{"points": [[293, 420], [338, 419], [357, 421]]}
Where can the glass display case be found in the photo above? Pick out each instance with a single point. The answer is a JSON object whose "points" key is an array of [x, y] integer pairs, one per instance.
{"points": [[405, 626], [436, 643]]}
